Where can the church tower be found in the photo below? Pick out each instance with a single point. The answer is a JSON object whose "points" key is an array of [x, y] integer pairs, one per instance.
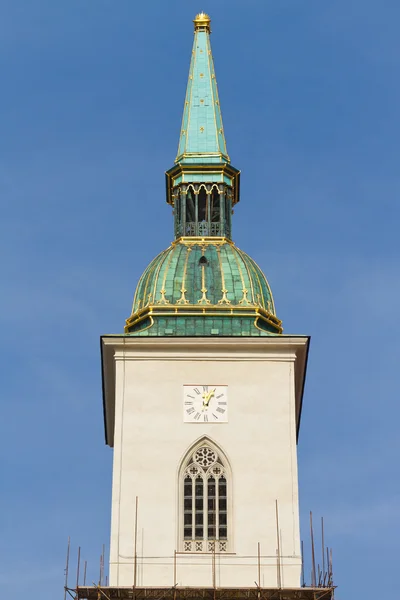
{"points": [[203, 393]]}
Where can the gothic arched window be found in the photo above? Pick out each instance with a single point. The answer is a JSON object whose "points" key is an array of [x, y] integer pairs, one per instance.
{"points": [[205, 490]]}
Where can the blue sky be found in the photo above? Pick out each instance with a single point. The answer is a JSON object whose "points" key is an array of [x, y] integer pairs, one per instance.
{"points": [[91, 100]]}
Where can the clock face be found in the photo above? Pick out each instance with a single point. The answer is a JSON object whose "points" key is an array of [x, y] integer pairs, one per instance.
{"points": [[205, 403]]}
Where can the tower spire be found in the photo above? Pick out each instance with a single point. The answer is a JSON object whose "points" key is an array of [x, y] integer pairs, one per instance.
{"points": [[202, 186], [202, 137]]}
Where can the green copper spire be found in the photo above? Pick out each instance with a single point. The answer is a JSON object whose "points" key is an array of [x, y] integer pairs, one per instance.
{"points": [[203, 285], [202, 137], [202, 186]]}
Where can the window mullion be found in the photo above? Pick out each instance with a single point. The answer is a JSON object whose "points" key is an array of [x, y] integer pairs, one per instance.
{"points": [[208, 212], [205, 480], [196, 212], [193, 508], [217, 508]]}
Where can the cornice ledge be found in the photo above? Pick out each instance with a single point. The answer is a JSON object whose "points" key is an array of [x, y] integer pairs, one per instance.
{"points": [[193, 344]]}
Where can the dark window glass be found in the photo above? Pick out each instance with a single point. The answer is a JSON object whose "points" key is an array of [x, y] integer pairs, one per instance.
{"points": [[199, 487], [202, 204], [227, 210], [212, 514], [199, 508], [178, 207], [199, 504], [188, 507], [190, 207], [222, 533], [222, 513]]}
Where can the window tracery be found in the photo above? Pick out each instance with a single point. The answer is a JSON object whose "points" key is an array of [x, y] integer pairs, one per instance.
{"points": [[205, 489]]}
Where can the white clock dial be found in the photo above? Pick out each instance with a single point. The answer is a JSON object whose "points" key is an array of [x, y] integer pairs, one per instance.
{"points": [[205, 403]]}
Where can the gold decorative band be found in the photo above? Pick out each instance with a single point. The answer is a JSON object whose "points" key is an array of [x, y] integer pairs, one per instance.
{"points": [[214, 310], [201, 240]]}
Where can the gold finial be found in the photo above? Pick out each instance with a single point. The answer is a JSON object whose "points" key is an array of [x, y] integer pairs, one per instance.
{"points": [[202, 21]]}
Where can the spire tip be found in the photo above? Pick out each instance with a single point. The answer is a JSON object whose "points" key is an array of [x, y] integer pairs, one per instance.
{"points": [[202, 22]]}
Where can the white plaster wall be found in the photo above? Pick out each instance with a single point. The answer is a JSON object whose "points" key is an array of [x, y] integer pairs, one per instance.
{"points": [[151, 440]]}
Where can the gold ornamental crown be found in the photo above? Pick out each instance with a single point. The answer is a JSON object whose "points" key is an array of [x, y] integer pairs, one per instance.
{"points": [[202, 21]]}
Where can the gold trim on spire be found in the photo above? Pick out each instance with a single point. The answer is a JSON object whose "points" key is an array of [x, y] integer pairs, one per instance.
{"points": [[202, 21]]}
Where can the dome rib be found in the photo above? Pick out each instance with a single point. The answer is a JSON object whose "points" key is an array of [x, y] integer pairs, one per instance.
{"points": [[264, 285], [248, 273], [157, 276], [145, 279]]}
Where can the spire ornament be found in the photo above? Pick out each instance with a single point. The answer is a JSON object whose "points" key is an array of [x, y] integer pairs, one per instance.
{"points": [[202, 22]]}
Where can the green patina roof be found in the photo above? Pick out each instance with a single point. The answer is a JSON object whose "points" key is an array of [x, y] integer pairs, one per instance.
{"points": [[202, 138], [202, 285], [203, 288]]}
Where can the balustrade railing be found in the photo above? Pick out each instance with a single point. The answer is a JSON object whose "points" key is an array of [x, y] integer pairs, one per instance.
{"points": [[203, 228]]}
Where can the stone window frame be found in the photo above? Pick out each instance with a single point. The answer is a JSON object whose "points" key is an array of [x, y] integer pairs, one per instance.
{"points": [[222, 463]]}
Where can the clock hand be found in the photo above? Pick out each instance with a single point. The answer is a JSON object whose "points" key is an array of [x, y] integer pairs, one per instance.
{"points": [[209, 396], [206, 399]]}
